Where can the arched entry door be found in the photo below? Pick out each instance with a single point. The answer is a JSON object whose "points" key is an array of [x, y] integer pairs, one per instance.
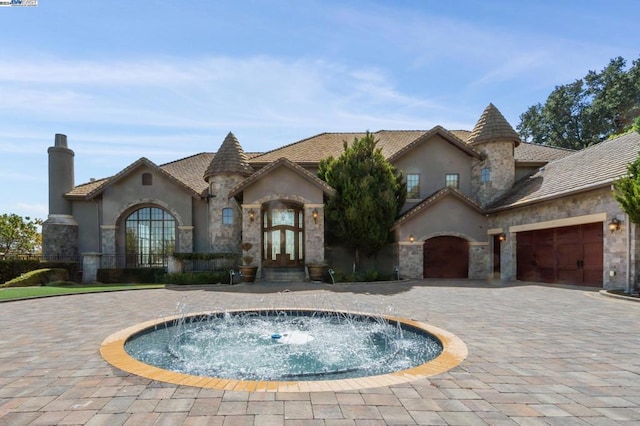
{"points": [[283, 235], [446, 257]]}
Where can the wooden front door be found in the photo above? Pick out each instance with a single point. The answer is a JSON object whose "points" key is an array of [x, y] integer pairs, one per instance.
{"points": [[283, 236], [446, 257], [566, 255]]}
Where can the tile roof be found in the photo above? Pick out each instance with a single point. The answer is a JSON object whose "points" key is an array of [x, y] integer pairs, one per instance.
{"points": [[312, 150], [590, 168], [528, 152], [230, 158], [492, 126]]}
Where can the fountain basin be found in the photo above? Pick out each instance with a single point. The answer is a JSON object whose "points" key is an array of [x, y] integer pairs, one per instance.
{"points": [[117, 350]]}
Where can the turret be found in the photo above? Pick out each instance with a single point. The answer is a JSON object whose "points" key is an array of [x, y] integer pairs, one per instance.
{"points": [[228, 168], [494, 174]]}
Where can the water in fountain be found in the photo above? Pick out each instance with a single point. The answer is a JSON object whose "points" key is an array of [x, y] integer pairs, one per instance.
{"points": [[291, 344]]}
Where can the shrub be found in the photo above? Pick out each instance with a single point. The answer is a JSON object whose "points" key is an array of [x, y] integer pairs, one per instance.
{"points": [[129, 276], [38, 277], [203, 277], [12, 268]]}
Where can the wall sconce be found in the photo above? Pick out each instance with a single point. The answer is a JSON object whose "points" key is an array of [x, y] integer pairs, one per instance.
{"points": [[411, 238], [614, 225], [315, 215], [502, 236], [252, 215]]}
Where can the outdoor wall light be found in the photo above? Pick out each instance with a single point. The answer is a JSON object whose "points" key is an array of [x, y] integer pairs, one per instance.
{"points": [[614, 225], [252, 215], [315, 215], [411, 238], [502, 236]]}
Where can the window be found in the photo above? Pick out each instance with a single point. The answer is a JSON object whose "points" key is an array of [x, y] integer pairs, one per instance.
{"points": [[150, 236], [147, 179], [413, 185], [485, 175], [452, 179], [227, 216]]}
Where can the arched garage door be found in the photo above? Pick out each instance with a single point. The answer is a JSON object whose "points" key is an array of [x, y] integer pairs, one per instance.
{"points": [[446, 257]]}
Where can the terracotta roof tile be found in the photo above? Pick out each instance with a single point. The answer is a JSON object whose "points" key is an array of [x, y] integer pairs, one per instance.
{"points": [[587, 169]]}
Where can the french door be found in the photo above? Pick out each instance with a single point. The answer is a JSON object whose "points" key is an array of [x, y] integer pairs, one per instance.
{"points": [[283, 235]]}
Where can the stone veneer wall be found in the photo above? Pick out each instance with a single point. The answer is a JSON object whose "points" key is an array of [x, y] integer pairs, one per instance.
{"points": [[411, 259], [225, 238], [598, 201], [478, 259], [498, 157], [59, 237], [313, 234]]}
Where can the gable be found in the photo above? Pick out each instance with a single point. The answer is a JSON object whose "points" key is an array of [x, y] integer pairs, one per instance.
{"points": [[444, 213]]}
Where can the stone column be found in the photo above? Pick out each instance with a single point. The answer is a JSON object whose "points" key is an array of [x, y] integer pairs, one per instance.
{"points": [[185, 239], [478, 260], [411, 259], [251, 233], [508, 257], [314, 233], [90, 266], [108, 245], [174, 265]]}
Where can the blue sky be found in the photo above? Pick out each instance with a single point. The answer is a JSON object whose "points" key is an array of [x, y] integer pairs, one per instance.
{"points": [[167, 79]]}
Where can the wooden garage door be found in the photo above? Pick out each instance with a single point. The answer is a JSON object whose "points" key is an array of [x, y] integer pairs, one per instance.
{"points": [[567, 255], [446, 257]]}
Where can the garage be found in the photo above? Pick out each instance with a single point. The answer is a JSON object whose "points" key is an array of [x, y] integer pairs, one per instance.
{"points": [[566, 255], [446, 257]]}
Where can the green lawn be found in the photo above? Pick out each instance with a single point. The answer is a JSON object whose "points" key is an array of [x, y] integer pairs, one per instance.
{"points": [[27, 292]]}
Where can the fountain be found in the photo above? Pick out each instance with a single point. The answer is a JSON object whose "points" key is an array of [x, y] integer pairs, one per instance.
{"points": [[290, 350]]}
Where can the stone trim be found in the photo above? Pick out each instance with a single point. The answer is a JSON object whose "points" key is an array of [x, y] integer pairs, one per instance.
{"points": [[107, 227], [556, 223], [494, 231], [185, 228], [478, 243], [144, 202], [282, 197]]}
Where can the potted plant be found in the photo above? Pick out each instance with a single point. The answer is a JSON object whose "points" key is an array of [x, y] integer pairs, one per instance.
{"points": [[317, 271], [247, 269]]}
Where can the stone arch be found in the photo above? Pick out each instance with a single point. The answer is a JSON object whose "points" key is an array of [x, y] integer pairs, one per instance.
{"points": [[131, 206], [282, 197], [447, 234]]}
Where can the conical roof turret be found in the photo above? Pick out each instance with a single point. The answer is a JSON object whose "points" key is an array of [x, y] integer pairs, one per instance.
{"points": [[230, 158], [491, 127]]}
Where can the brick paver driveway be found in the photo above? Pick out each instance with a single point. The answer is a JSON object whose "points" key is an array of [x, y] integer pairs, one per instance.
{"points": [[537, 355]]}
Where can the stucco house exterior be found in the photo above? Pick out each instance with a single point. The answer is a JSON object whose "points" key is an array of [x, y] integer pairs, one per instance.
{"points": [[481, 204]]}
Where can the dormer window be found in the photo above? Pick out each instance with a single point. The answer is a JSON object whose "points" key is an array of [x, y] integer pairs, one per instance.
{"points": [[413, 185], [147, 179], [485, 175], [452, 180]]}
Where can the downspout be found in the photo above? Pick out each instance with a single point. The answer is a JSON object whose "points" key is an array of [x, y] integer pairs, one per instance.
{"points": [[629, 286]]}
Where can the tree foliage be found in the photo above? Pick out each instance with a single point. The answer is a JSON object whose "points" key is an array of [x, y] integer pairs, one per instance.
{"points": [[369, 195], [587, 111], [19, 235], [627, 191]]}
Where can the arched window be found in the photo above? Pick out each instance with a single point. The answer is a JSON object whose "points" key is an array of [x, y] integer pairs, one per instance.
{"points": [[150, 236]]}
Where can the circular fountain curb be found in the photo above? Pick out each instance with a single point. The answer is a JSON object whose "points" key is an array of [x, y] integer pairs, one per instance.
{"points": [[453, 353]]}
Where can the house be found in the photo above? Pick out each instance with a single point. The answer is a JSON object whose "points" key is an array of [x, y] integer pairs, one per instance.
{"points": [[480, 204]]}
